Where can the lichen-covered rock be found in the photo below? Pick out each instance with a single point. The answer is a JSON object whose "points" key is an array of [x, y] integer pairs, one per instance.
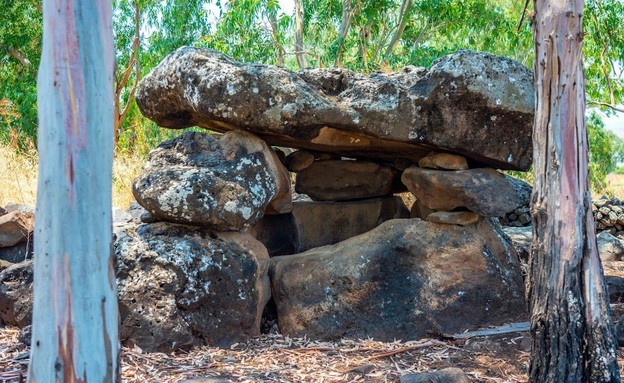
{"points": [[483, 191], [337, 180], [472, 103], [402, 280], [180, 287], [224, 184], [16, 295]]}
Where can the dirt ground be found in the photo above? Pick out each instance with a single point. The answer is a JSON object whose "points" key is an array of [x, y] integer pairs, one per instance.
{"points": [[277, 358]]}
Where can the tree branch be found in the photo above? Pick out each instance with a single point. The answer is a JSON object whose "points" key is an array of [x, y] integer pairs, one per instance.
{"points": [[347, 15], [405, 7], [607, 105], [17, 55]]}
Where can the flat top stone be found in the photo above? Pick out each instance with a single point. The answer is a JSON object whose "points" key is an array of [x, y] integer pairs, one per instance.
{"points": [[472, 103]]}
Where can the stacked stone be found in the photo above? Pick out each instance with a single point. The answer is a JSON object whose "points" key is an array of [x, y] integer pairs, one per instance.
{"points": [[447, 191], [609, 215], [201, 193], [349, 266]]}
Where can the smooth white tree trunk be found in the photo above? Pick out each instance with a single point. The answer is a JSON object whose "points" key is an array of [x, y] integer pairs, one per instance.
{"points": [[75, 319]]}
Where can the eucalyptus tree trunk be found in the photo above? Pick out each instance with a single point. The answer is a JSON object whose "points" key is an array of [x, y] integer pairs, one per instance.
{"points": [[403, 19], [347, 15], [75, 320], [299, 50], [572, 334]]}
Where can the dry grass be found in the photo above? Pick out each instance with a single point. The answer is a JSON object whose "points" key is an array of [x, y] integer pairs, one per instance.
{"points": [[279, 358], [18, 177], [615, 185]]}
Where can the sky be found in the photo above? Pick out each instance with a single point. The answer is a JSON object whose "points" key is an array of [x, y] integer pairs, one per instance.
{"points": [[615, 124]]}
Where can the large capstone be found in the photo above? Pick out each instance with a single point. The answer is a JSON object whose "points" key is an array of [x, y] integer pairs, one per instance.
{"points": [[471, 103], [403, 280]]}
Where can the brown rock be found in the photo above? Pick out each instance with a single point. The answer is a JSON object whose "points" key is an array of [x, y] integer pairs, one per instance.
{"points": [[463, 218], [314, 224], [419, 210], [472, 103], [299, 160], [446, 161], [483, 191], [282, 202], [15, 227], [400, 281], [337, 180]]}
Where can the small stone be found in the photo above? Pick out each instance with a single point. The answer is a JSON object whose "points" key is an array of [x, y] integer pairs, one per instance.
{"points": [[446, 375], [525, 219], [600, 203], [607, 222], [604, 211], [598, 216], [512, 217], [299, 160], [462, 218], [147, 217], [613, 217], [445, 161], [617, 209]]}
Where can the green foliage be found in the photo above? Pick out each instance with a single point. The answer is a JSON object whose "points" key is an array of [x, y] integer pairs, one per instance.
{"points": [[380, 35], [20, 37], [605, 150]]}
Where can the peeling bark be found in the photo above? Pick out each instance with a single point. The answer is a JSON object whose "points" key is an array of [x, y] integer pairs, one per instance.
{"points": [[75, 318], [570, 324]]}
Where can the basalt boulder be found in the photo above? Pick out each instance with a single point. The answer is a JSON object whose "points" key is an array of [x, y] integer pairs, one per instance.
{"points": [[180, 286], [338, 180], [224, 184], [471, 103], [483, 191], [405, 279]]}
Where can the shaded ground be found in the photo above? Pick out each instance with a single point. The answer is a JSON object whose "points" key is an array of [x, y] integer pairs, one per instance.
{"points": [[277, 358]]}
